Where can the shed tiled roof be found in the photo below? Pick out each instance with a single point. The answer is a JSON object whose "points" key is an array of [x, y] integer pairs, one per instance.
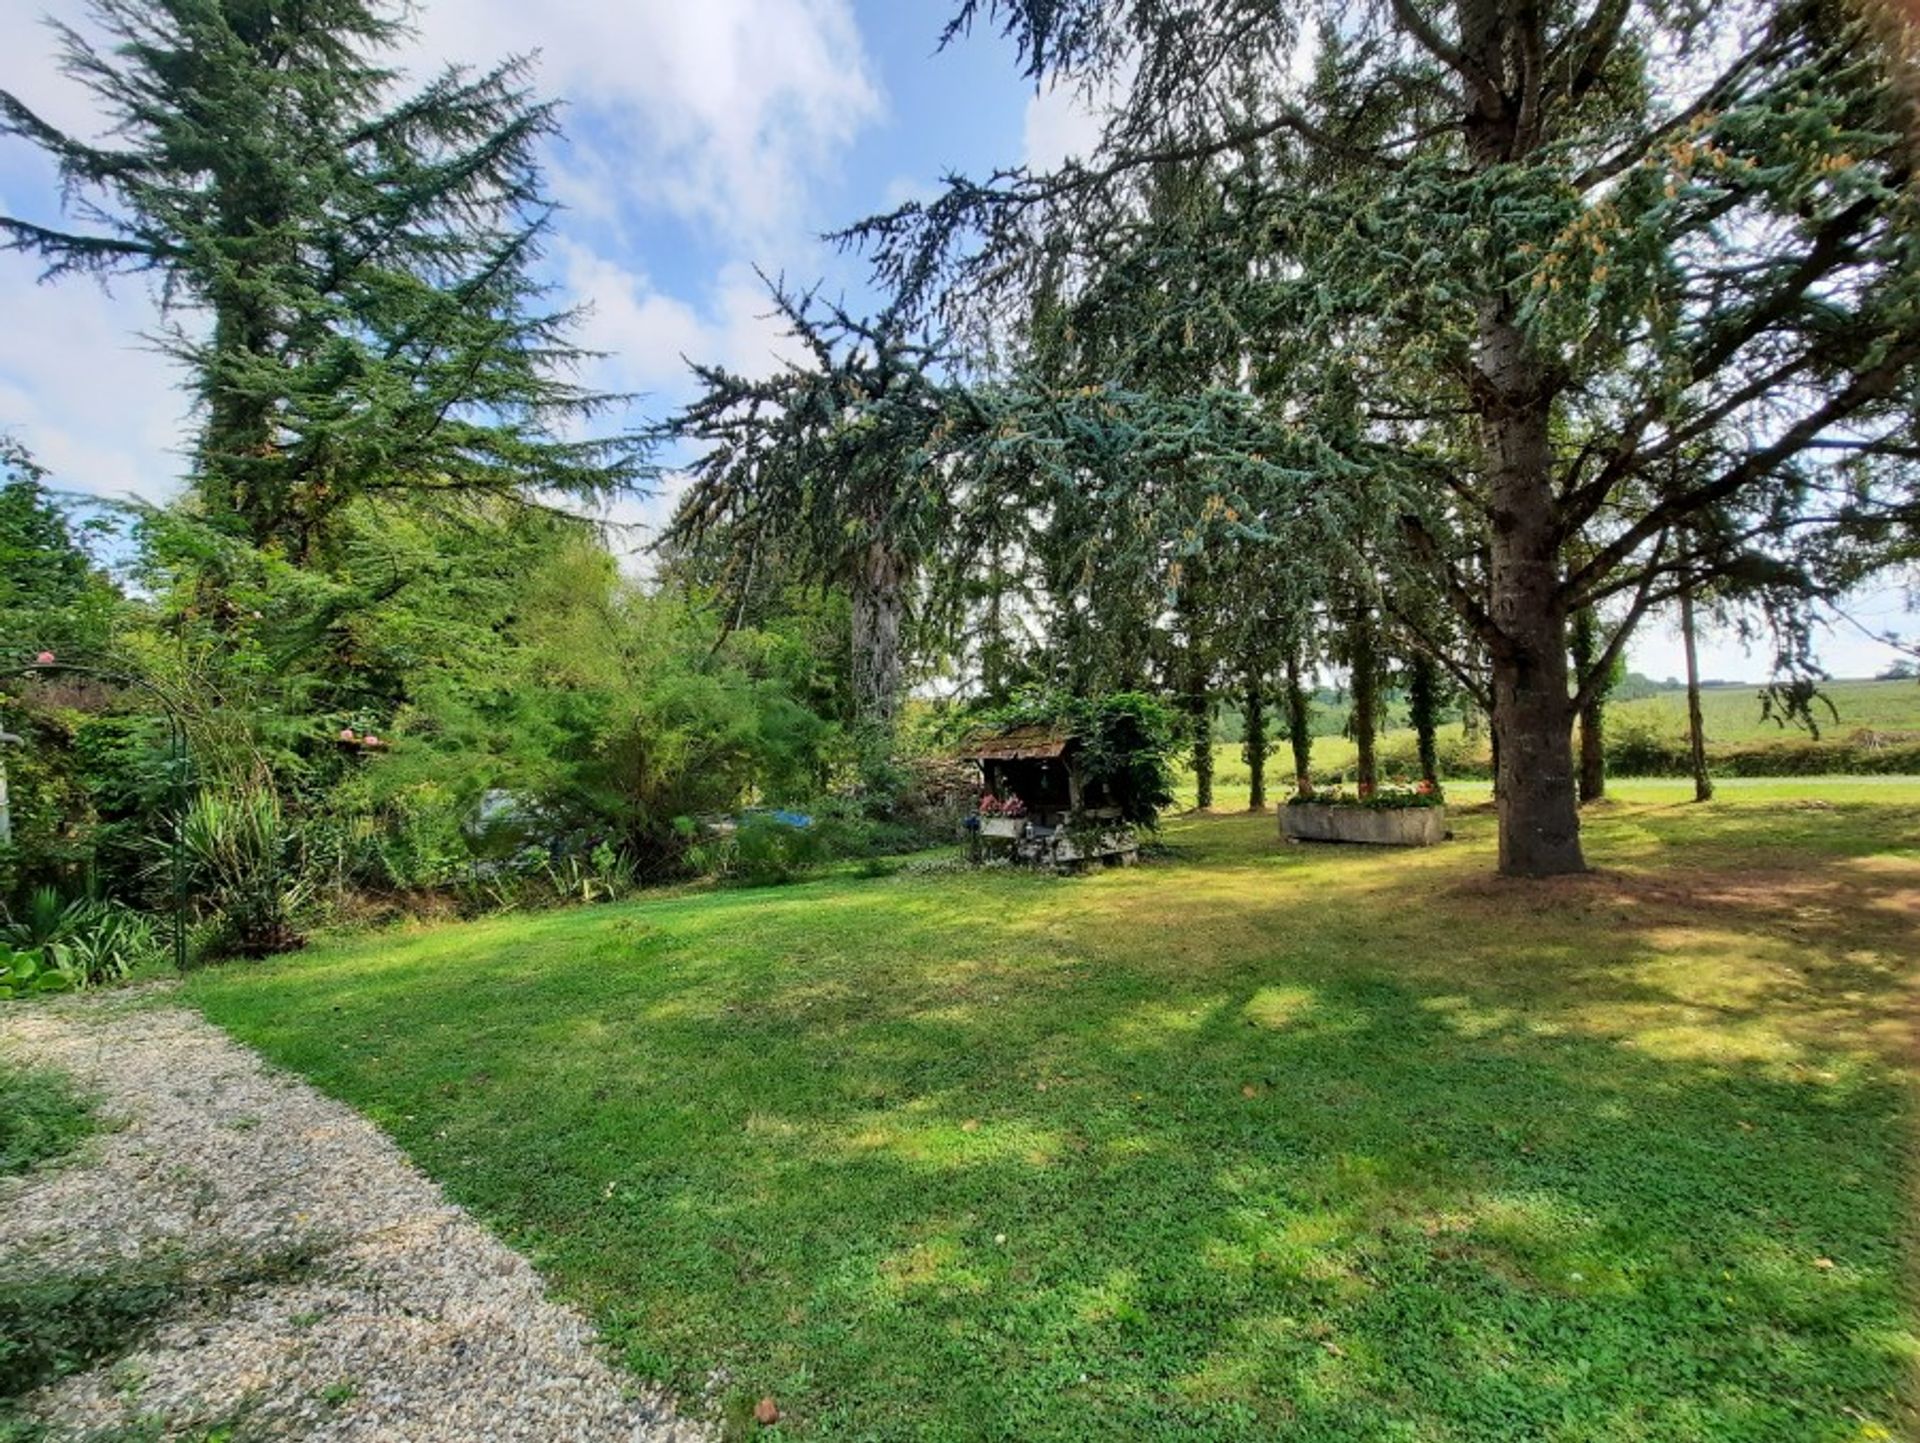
{"points": [[1028, 743]]}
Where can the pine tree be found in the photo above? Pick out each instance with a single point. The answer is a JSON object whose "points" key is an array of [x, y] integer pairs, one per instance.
{"points": [[838, 466], [345, 264], [1514, 223], [52, 597]]}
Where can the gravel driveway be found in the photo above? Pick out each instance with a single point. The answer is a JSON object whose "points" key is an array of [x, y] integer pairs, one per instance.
{"points": [[332, 1291]]}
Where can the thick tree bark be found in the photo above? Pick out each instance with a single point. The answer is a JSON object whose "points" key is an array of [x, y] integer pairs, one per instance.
{"points": [[1197, 695], [1499, 59], [1538, 804], [1493, 753], [1254, 707], [878, 596], [1593, 751], [1696, 722], [1299, 728], [1200, 712]]}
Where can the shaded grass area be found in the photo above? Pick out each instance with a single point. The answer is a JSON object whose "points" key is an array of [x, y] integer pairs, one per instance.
{"points": [[1253, 1142], [54, 1325], [42, 1117]]}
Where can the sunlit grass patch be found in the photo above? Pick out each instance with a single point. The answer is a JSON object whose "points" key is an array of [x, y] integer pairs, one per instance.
{"points": [[1254, 1141]]}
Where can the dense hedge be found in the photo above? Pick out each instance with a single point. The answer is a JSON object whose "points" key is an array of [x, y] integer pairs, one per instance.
{"points": [[1643, 752], [1792, 757]]}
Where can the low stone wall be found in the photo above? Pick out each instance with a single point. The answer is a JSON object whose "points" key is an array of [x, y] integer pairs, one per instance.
{"points": [[1375, 826]]}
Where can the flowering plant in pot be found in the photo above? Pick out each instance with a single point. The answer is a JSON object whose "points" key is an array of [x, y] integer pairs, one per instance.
{"points": [[1395, 816], [1002, 816], [1380, 798]]}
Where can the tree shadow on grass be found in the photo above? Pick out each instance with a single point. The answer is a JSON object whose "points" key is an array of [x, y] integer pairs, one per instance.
{"points": [[1415, 1155]]}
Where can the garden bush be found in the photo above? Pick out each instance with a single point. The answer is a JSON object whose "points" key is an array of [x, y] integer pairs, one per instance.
{"points": [[760, 850], [54, 943], [245, 868]]}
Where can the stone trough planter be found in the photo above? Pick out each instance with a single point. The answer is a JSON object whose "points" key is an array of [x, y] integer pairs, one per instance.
{"points": [[1007, 828], [1374, 826]]}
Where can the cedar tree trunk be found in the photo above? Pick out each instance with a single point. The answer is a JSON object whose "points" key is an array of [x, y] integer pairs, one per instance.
{"points": [[878, 595], [1423, 700], [1593, 757], [1364, 721], [1511, 392], [1255, 706]]}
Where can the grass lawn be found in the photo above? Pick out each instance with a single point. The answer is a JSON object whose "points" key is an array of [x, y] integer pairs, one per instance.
{"points": [[1254, 1142]]}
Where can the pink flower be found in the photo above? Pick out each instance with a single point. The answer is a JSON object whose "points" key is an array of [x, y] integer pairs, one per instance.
{"points": [[44, 659], [370, 740], [346, 734]]}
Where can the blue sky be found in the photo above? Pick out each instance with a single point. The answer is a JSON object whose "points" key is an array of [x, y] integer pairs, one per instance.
{"points": [[704, 137]]}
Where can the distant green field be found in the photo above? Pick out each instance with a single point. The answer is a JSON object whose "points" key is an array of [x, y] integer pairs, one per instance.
{"points": [[1732, 713], [1733, 718]]}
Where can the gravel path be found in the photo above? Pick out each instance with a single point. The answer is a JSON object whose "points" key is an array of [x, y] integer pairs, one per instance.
{"points": [[332, 1291]]}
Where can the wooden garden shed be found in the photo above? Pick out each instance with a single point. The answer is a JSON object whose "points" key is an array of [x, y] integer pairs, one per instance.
{"points": [[1066, 818]]}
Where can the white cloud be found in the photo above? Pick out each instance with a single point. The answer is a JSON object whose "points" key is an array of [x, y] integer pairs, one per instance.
{"points": [[1062, 123], [98, 408], [719, 110], [649, 336]]}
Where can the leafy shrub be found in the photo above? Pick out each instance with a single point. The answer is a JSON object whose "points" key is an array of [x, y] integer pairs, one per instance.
{"points": [[25, 972], [54, 944], [42, 919], [769, 851], [107, 942], [1455, 756], [604, 874], [1639, 746], [245, 868]]}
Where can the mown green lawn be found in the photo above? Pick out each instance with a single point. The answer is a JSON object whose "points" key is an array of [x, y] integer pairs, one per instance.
{"points": [[1253, 1142]]}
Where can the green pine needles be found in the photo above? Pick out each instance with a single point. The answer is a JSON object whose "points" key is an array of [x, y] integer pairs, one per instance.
{"points": [[346, 265]]}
